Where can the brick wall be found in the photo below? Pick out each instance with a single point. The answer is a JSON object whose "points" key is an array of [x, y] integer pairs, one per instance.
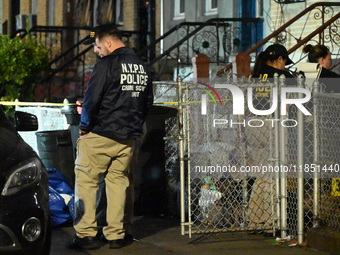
{"points": [[42, 11], [301, 28], [25, 6], [59, 13], [304, 26], [130, 15], [130, 19], [5, 15]]}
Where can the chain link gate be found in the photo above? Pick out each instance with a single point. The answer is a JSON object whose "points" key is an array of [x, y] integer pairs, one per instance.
{"points": [[244, 172], [220, 153], [311, 201], [327, 208]]}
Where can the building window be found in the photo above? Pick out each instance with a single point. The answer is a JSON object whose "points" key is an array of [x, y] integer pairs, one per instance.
{"points": [[34, 7], [210, 7], [108, 11], [259, 9], [179, 9], [119, 17]]}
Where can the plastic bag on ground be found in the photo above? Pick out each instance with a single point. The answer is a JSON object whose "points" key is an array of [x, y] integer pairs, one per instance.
{"points": [[61, 198]]}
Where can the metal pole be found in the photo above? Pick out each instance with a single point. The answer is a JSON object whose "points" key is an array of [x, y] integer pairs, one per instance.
{"points": [[272, 160], [316, 183], [187, 139], [245, 203], [300, 161], [283, 177], [277, 154], [181, 151]]}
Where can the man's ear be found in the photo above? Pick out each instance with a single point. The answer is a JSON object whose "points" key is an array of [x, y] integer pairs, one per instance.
{"points": [[108, 43]]}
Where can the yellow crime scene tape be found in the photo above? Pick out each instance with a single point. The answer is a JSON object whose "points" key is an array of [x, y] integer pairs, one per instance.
{"points": [[195, 102], [11, 103], [336, 187]]}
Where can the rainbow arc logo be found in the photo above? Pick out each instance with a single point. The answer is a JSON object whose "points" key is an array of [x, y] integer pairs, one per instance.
{"points": [[210, 89], [238, 99]]}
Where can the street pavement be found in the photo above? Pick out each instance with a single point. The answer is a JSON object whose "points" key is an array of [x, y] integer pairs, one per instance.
{"points": [[157, 235]]}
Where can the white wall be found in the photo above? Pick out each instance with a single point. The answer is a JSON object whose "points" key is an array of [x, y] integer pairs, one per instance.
{"points": [[48, 119]]}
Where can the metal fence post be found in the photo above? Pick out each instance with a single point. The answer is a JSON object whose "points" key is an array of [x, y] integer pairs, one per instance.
{"points": [[300, 162], [277, 153], [181, 151], [316, 183], [283, 175], [187, 147]]}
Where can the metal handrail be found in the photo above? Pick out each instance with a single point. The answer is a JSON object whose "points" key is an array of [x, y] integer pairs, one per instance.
{"points": [[59, 29], [314, 33], [283, 28], [287, 24], [55, 71], [56, 59], [200, 27]]}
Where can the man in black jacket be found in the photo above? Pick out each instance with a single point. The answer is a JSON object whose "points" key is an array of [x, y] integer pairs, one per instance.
{"points": [[116, 101]]}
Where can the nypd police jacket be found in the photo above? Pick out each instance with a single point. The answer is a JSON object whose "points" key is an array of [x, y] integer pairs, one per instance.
{"points": [[118, 96]]}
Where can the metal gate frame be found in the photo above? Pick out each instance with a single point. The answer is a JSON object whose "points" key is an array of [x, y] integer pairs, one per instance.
{"points": [[298, 229]]}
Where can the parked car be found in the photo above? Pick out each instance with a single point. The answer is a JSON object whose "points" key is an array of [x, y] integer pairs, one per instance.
{"points": [[24, 198]]}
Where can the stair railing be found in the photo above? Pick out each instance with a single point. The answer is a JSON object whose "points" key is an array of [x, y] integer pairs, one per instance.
{"points": [[323, 8]]}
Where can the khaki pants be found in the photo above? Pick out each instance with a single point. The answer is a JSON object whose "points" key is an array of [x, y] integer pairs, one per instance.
{"points": [[98, 155], [261, 210], [129, 201]]}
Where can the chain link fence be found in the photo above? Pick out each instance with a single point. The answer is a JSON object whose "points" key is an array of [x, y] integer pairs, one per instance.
{"points": [[291, 158], [328, 130], [243, 171], [172, 167], [165, 95], [226, 190]]}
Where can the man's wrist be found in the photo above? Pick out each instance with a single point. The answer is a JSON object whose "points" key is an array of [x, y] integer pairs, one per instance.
{"points": [[83, 132]]}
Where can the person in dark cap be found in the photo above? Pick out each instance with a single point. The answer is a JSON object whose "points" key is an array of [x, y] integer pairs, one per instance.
{"points": [[115, 105], [273, 60]]}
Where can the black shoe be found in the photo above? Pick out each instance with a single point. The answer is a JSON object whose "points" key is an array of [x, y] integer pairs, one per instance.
{"points": [[128, 239], [102, 238], [86, 243], [270, 233], [255, 232], [116, 244]]}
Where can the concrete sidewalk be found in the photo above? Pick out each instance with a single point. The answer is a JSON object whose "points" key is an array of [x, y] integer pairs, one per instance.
{"points": [[162, 236]]}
